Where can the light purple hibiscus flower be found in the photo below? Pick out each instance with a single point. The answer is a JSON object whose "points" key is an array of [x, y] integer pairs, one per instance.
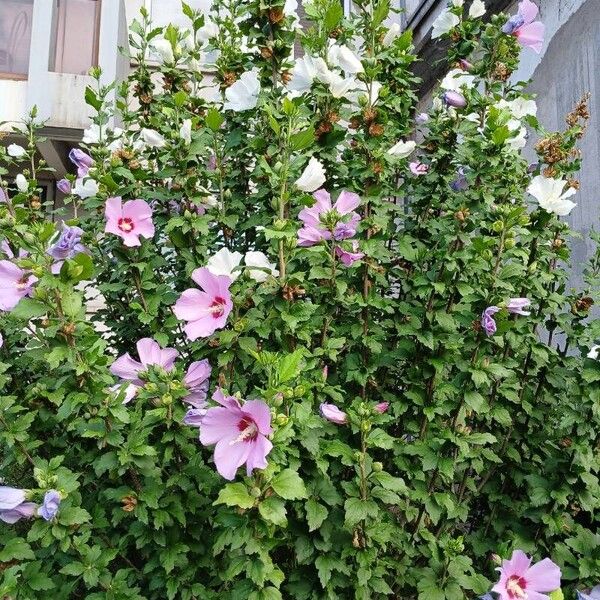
{"points": [[418, 168], [150, 354], [15, 283], [239, 433], [129, 220], [516, 306], [196, 381], [82, 161], [487, 320], [454, 99], [50, 505], [64, 186], [332, 413], [322, 220], [68, 245], [529, 33], [348, 258], [13, 506]]}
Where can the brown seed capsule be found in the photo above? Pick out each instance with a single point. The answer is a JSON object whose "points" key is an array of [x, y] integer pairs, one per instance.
{"points": [[35, 203], [134, 164], [214, 343], [354, 123], [566, 442], [369, 115], [68, 328], [375, 129], [286, 76], [574, 183], [229, 79], [266, 52], [557, 243], [276, 15], [129, 503], [583, 304], [501, 72], [377, 168]]}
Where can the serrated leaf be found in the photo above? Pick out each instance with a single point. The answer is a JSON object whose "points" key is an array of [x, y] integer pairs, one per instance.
{"points": [[235, 494], [289, 485]]}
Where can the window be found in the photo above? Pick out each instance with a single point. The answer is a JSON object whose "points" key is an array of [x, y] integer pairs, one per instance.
{"points": [[76, 36], [15, 37]]}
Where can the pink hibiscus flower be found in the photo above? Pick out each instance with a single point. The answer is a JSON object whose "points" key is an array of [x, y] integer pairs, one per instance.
{"points": [[418, 168], [205, 310], [15, 283], [323, 220], [151, 354], [347, 257], [521, 581], [129, 221], [239, 432], [529, 34]]}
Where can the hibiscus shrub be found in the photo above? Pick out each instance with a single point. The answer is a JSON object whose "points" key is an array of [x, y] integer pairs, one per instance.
{"points": [[271, 348]]}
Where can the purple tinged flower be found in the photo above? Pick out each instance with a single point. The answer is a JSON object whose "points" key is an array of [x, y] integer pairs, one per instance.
{"points": [[50, 505], [529, 33], [487, 320], [422, 118], [332, 413], [593, 594], [465, 65], [64, 186], [382, 407], [68, 245], [22, 511], [194, 416], [129, 221], [460, 184], [130, 390], [239, 433], [15, 283], [325, 372], [196, 381], [13, 506], [322, 221], [3, 196], [150, 354], [205, 310], [211, 164], [348, 258], [455, 99], [82, 161], [519, 580], [10, 497], [516, 306], [418, 168]]}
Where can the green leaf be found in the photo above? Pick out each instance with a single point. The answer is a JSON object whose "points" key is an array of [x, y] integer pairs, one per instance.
{"points": [[73, 568], [73, 515], [316, 513], [289, 366], [358, 510], [557, 595], [333, 16], [303, 139], [29, 309], [214, 119], [16, 549], [273, 509], [235, 494], [289, 485], [91, 99]]}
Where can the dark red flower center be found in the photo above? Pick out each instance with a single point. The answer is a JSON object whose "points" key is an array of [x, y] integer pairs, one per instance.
{"points": [[126, 224], [217, 308], [248, 429], [23, 282], [515, 587]]}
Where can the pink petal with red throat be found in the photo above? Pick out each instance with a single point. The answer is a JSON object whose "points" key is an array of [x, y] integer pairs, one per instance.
{"points": [[346, 202], [220, 422], [207, 281], [192, 305], [202, 328], [257, 458], [151, 353], [531, 36], [528, 10], [260, 414], [518, 564], [113, 209], [544, 576], [126, 368], [229, 456]]}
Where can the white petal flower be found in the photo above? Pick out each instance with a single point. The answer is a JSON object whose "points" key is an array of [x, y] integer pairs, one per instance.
{"points": [[85, 188], [185, 132], [152, 138], [456, 79], [243, 94], [362, 91], [22, 183], [290, 8], [304, 72], [458, 3], [519, 107], [341, 56], [519, 141], [551, 196], [313, 176], [391, 34], [402, 149], [209, 30], [164, 50], [224, 262], [16, 151], [258, 259], [477, 9], [338, 86], [594, 353], [444, 24]]}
